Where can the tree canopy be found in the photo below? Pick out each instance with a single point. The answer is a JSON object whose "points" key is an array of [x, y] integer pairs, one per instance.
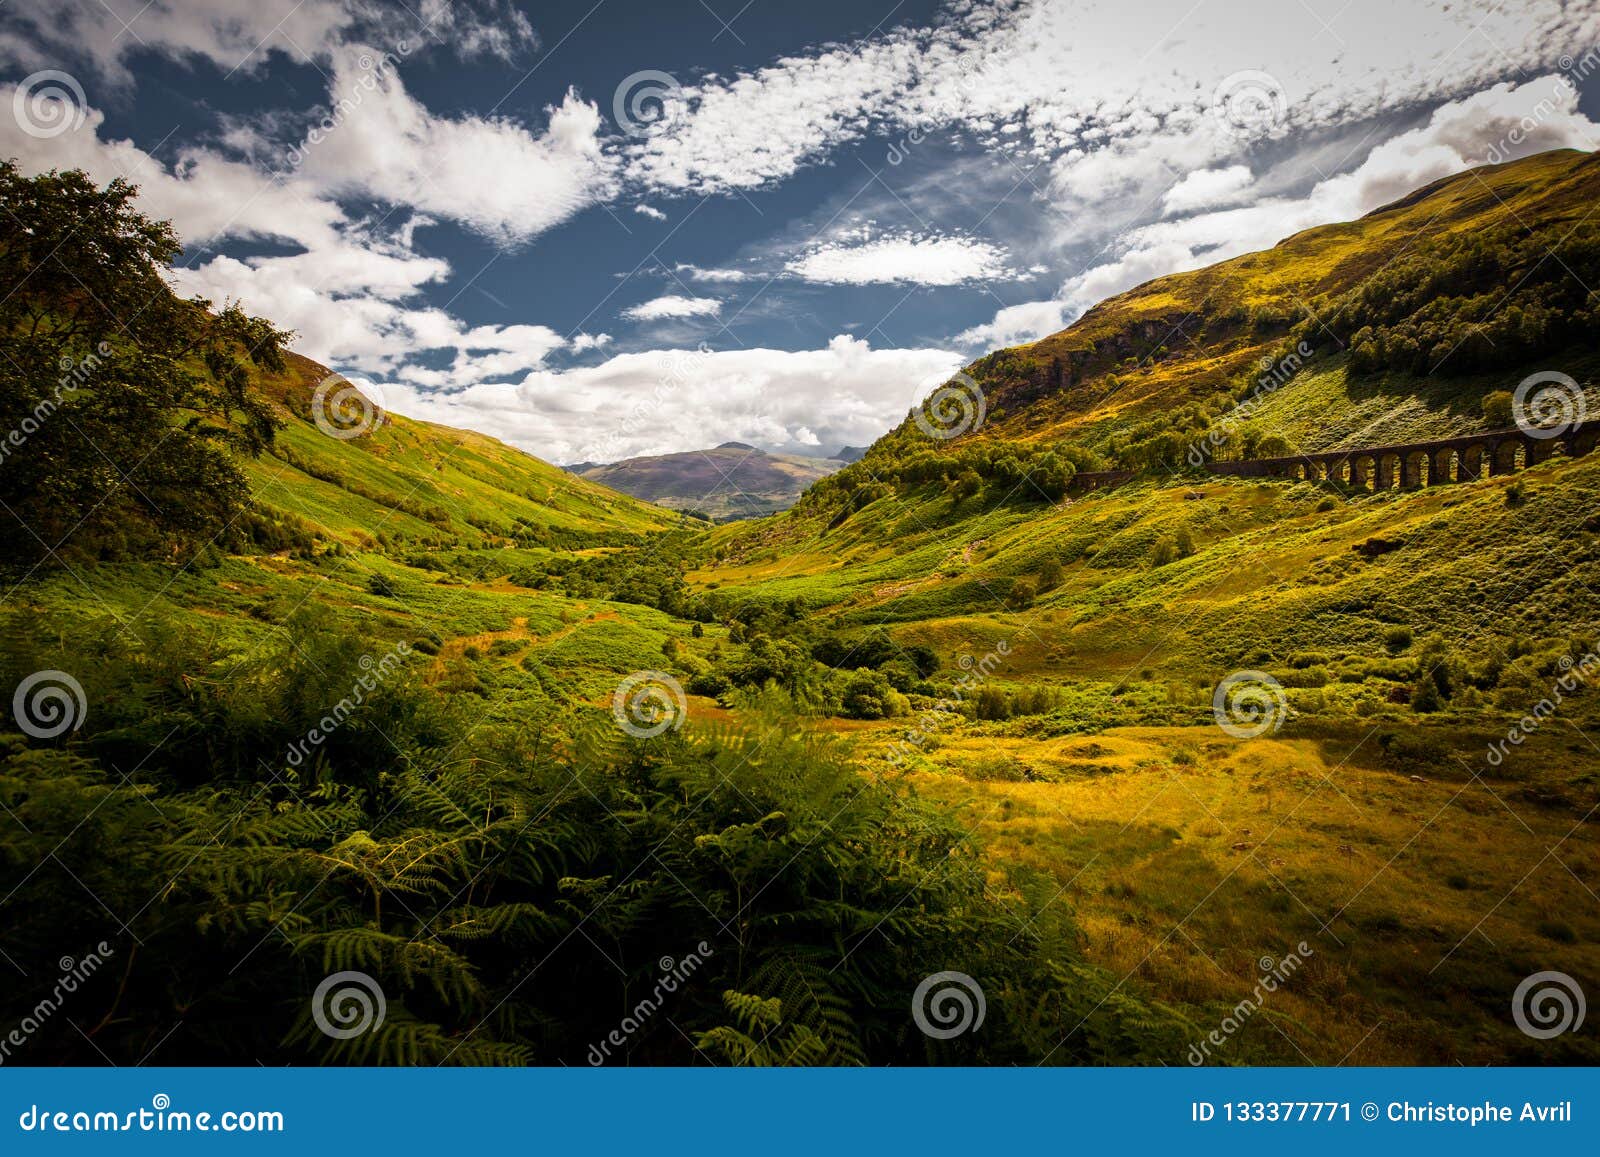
{"points": [[123, 406]]}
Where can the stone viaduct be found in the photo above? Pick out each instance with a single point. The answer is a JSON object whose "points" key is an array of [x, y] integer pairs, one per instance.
{"points": [[1407, 464]]}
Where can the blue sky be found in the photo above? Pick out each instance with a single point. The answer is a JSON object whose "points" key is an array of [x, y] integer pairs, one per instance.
{"points": [[604, 228]]}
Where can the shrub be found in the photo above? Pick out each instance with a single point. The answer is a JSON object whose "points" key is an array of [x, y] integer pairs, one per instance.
{"points": [[868, 695], [712, 683], [1496, 409], [991, 703]]}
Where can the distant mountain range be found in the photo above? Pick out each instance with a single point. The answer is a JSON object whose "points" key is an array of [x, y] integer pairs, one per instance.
{"points": [[725, 483]]}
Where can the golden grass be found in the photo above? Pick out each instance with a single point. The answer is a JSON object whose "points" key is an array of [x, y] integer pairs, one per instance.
{"points": [[1188, 856]]}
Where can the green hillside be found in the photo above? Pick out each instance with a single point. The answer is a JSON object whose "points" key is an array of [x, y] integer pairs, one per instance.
{"points": [[412, 481], [1079, 636], [413, 703], [1446, 288]]}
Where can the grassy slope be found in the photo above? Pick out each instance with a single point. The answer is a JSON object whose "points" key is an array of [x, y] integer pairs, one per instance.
{"points": [[446, 482], [1185, 336], [1424, 889], [1126, 801], [417, 485]]}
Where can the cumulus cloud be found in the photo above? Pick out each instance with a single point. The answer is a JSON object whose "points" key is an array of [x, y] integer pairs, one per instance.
{"points": [[673, 305], [649, 211], [1208, 188], [1503, 122], [654, 402], [1017, 325], [905, 258], [384, 144]]}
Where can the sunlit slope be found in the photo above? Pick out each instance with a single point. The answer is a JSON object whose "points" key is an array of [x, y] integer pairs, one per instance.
{"points": [[1183, 338], [1278, 571], [412, 480]]}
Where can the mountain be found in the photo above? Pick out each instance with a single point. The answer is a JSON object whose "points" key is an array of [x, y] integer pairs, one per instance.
{"points": [[413, 480], [1088, 645], [726, 483], [1431, 294]]}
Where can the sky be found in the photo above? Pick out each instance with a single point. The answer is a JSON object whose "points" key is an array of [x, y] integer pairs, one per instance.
{"points": [[614, 227]]}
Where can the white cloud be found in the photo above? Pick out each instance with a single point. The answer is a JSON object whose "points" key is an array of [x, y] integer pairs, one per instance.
{"points": [[660, 401], [493, 175], [1078, 79], [241, 35], [1504, 121], [758, 128], [673, 305], [584, 342], [207, 196], [649, 211], [1209, 188], [904, 258], [695, 273], [1017, 325]]}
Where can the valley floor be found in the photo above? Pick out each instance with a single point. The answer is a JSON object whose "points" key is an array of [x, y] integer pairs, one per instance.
{"points": [[1196, 864]]}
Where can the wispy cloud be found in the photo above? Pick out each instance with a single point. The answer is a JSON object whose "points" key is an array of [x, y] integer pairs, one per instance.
{"points": [[672, 306]]}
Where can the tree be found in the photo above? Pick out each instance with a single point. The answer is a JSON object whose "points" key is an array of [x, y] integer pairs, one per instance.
{"points": [[1023, 592], [1496, 409], [967, 484], [122, 406], [868, 695], [1050, 574]]}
